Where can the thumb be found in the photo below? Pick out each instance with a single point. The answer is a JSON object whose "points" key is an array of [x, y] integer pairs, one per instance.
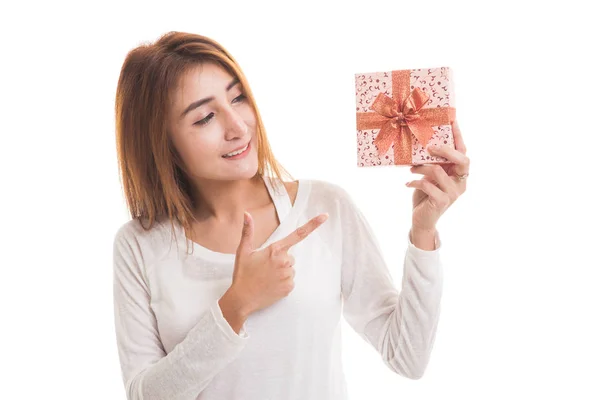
{"points": [[245, 245]]}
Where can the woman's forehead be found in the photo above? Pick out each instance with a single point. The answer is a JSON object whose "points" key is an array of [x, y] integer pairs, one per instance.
{"points": [[209, 75]]}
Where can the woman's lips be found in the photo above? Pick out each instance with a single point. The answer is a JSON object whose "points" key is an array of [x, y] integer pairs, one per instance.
{"points": [[241, 155]]}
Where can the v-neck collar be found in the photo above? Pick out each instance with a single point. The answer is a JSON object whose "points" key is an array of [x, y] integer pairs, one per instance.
{"points": [[283, 207]]}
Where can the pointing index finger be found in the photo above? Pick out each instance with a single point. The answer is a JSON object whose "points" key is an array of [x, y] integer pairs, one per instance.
{"points": [[301, 233]]}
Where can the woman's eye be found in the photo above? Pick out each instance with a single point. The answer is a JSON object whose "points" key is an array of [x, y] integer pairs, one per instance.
{"points": [[241, 97], [207, 119], [204, 121]]}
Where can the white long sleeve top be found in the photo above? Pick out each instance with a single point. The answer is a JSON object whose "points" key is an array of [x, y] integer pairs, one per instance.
{"points": [[174, 343]]}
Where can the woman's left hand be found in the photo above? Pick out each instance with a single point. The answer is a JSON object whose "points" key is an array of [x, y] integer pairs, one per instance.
{"points": [[440, 186]]}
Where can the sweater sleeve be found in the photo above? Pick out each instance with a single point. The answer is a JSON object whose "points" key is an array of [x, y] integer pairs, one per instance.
{"points": [[149, 373], [400, 325]]}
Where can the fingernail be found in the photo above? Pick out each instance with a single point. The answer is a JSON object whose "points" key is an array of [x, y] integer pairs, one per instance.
{"points": [[323, 217], [407, 183]]}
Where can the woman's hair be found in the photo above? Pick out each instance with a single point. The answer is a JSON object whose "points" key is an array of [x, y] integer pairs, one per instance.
{"points": [[155, 181]]}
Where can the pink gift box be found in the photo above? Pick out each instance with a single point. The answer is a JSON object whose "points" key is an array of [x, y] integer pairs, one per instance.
{"points": [[400, 112]]}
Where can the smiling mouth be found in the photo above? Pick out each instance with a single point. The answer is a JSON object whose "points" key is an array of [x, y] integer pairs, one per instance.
{"points": [[237, 152]]}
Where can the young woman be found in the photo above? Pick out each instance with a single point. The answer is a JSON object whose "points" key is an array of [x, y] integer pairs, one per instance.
{"points": [[253, 311]]}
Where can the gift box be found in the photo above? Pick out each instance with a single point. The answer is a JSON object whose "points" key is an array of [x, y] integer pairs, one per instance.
{"points": [[399, 113]]}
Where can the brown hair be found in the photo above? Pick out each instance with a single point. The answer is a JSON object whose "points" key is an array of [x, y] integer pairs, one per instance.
{"points": [[152, 174]]}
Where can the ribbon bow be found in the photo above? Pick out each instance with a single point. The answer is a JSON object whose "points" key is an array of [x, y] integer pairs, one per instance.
{"points": [[397, 120]]}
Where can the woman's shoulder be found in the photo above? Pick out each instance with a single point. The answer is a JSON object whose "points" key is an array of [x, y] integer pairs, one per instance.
{"points": [[326, 186], [325, 190], [141, 230]]}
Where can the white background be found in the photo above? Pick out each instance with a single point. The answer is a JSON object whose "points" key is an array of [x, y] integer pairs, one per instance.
{"points": [[520, 305]]}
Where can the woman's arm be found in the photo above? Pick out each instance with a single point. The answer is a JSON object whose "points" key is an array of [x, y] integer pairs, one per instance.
{"points": [[400, 325], [148, 372]]}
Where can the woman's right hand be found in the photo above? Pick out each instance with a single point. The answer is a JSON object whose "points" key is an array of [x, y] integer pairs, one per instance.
{"points": [[262, 277]]}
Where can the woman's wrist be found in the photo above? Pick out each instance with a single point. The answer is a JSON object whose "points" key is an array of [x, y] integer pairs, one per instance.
{"points": [[424, 239], [234, 309]]}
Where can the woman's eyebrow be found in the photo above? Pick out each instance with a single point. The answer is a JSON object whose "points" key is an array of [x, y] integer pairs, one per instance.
{"points": [[198, 103]]}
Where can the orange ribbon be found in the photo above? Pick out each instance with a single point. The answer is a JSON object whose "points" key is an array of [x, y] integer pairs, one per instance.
{"points": [[400, 117]]}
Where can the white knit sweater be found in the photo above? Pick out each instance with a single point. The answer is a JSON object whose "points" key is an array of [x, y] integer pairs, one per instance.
{"points": [[175, 344]]}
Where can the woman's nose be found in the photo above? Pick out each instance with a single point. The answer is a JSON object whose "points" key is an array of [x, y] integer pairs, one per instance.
{"points": [[236, 126]]}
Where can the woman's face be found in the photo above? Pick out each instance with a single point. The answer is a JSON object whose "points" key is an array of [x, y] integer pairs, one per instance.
{"points": [[209, 118]]}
